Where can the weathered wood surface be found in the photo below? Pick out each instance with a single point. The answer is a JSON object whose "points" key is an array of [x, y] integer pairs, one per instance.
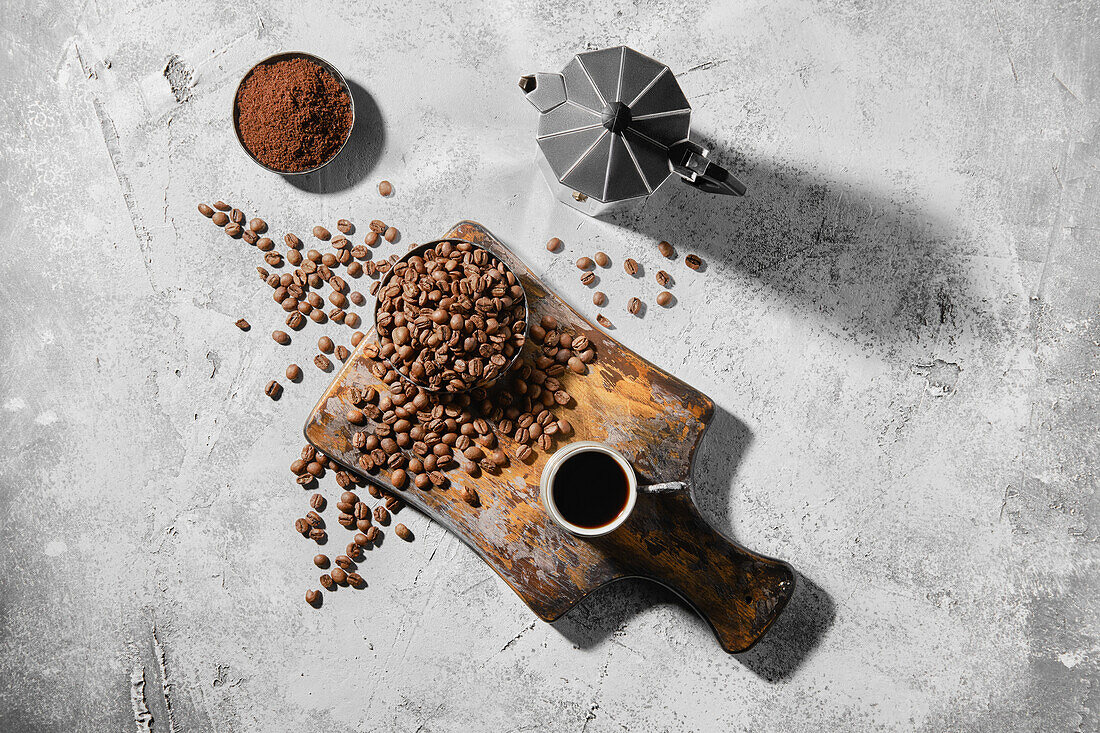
{"points": [[656, 421]]}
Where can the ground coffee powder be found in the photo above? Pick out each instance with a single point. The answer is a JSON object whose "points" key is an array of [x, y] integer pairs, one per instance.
{"points": [[293, 115]]}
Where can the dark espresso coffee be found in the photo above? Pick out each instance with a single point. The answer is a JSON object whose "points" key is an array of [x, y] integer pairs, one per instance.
{"points": [[590, 489]]}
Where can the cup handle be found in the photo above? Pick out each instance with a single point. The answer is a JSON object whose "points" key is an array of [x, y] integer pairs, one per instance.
{"points": [[738, 592]]}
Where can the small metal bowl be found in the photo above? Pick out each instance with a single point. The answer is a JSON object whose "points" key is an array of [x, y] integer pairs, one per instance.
{"points": [[285, 56], [419, 250]]}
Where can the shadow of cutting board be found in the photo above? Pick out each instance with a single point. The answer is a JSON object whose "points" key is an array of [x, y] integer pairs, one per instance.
{"points": [[656, 421]]}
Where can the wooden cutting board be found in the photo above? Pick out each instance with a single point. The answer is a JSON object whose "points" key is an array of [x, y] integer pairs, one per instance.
{"points": [[656, 421]]}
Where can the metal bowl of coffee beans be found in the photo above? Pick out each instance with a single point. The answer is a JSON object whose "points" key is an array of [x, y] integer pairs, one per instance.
{"points": [[293, 113], [450, 316]]}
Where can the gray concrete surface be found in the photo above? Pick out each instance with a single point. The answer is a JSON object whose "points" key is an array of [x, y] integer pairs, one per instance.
{"points": [[900, 323]]}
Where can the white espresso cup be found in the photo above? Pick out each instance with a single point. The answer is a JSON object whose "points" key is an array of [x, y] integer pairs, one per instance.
{"points": [[550, 473]]}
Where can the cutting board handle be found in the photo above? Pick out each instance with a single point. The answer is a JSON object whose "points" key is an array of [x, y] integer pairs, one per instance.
{"points": [[738, 592]]}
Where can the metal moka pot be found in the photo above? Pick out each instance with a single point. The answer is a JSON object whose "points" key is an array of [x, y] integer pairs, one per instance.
{"points": [[613, 127]]}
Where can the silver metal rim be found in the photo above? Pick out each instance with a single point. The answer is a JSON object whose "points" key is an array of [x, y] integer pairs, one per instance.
{"points": [[421, 249], [281, 57]]}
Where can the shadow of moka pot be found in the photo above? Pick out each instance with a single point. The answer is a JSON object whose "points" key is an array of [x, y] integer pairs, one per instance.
{"points": [[613, 127]]}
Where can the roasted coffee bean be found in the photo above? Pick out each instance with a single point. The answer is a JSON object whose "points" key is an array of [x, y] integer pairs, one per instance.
{"points": [[337, 315], [281, 337], [355, 580], [314, 468], [355, 416], [381, 515], [258, 225], [338, 299], [321, 233], [243, 324], [313, 597], [378, 226], [361, 511], [321, 361], [309, 453], [385, 188], [327, 582], [663, 278], [340, 243], [371, 240], [273, 389], [602, 320], [588, 278], [342, 352], [264, 274], [399, 478], [339, 575], [634, 305], [320, 561], [585, 263], [263, 244], [289, 303], [236, 216], [220, 218], [315, 520], [350, 498], [292, 241], [602, 259], [233, 230], [598, 298], [361, 539], [553, 245], [317, 502], [391, 234], [346, 520], [249, 236], [206, 211], [317, 316], [393, 504], [318, 535], [295, 320], [345, 226], [373, 534], [469, 496], [344, 562], [693, 261], [305, 479], [666, 249], [664, 298], [325, 344], [274, 259], [297, 466], [631, 267], [222, 206], [524, 452], [403, 532], [301, 526], [294, 257], [363, 524], [576, 365]]}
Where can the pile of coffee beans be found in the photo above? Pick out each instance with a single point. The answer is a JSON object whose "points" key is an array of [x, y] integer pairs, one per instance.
{"points": [[452, 317], [634, 305]]}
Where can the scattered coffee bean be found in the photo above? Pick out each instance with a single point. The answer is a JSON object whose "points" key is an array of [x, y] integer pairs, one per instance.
{"points": [[243, 324], [634, 305], [470, 496], [345, 226], [281, 337], [342, 352], [403, 532], [664, 298], [296, 320], [602, 320], [666, 249], [320, 561], [588, 278], [321, 361], [327, 582], [371, 239], [206, 211], [220, 218], [378, 226], [357, 338], [598, 298], [602, 259], [292, 241], [373, 534], [325, 344], [258, 225], [355, 580], [233, 230], [313, 597], [553, 245], [264, 244], [585, 263], [381, 515], [317, 501], [344, 562], [693, 261], [321, 233], [301, 526], [236, 216], [391, 234], [274, 259], [222, 206], [249, 236], [631, 267], [352, 320], [663, 278], [273, 389], [385, 188]]}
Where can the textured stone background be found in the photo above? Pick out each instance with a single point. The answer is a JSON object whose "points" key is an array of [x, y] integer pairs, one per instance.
{"points": [[900, 323]]}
